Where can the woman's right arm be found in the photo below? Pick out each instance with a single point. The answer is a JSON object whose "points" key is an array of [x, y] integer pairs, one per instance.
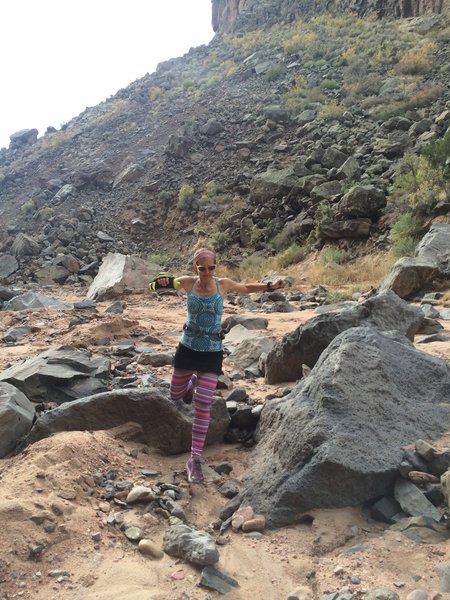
{"points": [[165, 281]]}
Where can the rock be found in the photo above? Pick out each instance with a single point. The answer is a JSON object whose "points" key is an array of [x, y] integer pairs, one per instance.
{"points": [[24, 245], [381, 594], [408, 276], [140, 493], [249, 322], [195, 547], [150, 549], [425, 450], [16, 417], [120, 274], [317, 447], [164, 426], [362, 201], [413, 501], [443, 570], [34, 300], [384, 311], [8, 266], [59, 375], [213, 579]]}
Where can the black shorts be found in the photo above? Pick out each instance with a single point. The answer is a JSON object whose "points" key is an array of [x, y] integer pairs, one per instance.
{"points": [[193, 360]]}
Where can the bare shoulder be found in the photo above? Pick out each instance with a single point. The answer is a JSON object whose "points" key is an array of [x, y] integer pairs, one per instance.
{"points": [[186, 281]]}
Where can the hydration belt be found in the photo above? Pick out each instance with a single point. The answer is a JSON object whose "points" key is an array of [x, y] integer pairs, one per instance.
{"points": [[196, 330]]}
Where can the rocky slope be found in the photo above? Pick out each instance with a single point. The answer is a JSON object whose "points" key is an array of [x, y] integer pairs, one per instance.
{"points": [[241, 141]]}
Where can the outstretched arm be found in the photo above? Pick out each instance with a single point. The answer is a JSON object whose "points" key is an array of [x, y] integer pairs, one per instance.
{"points": [[228, 285]]}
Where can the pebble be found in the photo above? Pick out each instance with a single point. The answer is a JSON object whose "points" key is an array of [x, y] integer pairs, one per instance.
{"points": [[148, 548], [417, 595]]}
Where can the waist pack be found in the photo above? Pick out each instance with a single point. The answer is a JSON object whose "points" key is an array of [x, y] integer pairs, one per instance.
{"points": [[196, 330]]}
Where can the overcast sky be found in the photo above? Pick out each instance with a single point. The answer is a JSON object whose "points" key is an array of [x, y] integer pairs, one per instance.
{"points": [[58, 57]]}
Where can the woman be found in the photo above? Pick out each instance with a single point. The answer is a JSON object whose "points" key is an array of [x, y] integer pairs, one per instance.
{"points": [[198, 358]]}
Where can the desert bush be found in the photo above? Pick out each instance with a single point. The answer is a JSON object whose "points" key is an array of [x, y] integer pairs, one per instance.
{"points": [[333, 255], [165, 196], [406, 226], [186, 194], [404, 247], [437, 153], [324, 214], [331, 110], [293, 254], [329, 84], [274, 72], [46, 212], [416, 61], [27, 207], [155, 92], [218, 240], [159, 259]]}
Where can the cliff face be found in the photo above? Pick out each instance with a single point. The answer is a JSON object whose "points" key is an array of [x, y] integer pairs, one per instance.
{"points": [[247, 15]]}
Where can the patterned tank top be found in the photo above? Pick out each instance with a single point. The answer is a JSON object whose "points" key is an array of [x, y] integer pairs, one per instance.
{"points": [[204, 319]]}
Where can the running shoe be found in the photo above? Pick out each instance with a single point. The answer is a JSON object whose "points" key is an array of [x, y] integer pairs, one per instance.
{"points": [[194, 470]]}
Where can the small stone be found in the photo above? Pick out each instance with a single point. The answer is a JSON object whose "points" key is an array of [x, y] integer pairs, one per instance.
{"points": [[417, 595], [134, 534], [258, 523], [97, 536], [148, 548], [355, 580]]}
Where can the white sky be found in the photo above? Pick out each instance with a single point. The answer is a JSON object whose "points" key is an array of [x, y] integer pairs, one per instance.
{"points": [[58, 57]]}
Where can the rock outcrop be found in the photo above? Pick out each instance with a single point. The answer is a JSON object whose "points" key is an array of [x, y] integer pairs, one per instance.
{"points": [[247, 15]]}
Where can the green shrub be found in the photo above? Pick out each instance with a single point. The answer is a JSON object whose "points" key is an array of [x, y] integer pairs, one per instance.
{"points": [[333, 255], [185, 196], [324, 214], [329, 84], [46, 212], [437, 153], [406, 226], [27, 207], [404, 247], [218, 240], [274, 72], [293, 254], [159, 259], [165, 196]]}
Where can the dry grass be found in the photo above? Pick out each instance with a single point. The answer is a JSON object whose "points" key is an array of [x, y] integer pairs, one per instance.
{"points": [[446, 299], [360, 274], [355, 276]]}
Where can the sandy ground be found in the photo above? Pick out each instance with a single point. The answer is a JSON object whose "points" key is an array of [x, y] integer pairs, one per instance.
{"points": [[48, 496]]}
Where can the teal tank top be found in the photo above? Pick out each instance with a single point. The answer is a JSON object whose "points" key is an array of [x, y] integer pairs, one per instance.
{"points": [[204, 320]]}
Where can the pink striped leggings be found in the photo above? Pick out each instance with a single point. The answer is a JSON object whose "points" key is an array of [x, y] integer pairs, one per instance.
{"points": [[206, 386]]}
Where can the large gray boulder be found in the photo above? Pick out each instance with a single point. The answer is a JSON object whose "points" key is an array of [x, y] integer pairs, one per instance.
{"points": [[25, 245], [16, 417], [432, 259], [8, 266], [435, 248], [165, 425], [120, 274], [408, 276], [336, 439], [384, 311], [59, 375], [34, 300]]}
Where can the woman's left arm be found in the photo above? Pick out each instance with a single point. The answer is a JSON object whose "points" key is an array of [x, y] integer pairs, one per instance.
{"points": [[228, 285]]}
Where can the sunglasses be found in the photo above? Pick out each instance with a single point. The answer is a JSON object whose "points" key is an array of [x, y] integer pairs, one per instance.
{"points": [[202, 269]]}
